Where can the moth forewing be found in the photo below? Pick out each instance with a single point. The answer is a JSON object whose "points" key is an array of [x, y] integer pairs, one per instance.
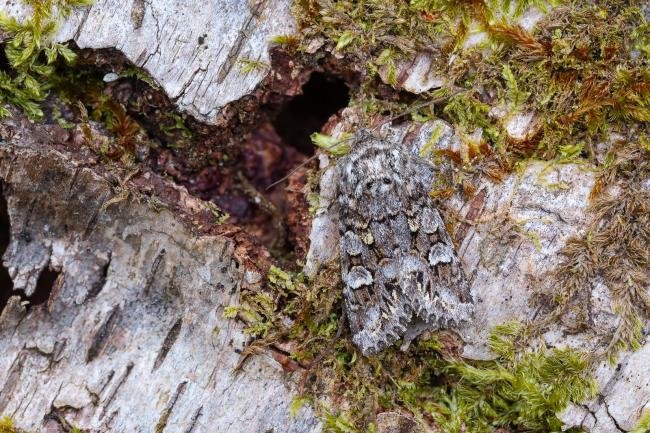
{"points": [[400, 270]]}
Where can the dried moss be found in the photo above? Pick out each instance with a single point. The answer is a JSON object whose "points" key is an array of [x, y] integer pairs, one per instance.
{"points": [[612, 249]]}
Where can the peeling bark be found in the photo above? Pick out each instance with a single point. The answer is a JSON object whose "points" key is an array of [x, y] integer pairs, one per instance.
{"points": [[197, 64]]}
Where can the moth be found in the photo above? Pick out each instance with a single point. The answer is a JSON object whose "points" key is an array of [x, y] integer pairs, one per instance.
{"points": [[400, 270]]}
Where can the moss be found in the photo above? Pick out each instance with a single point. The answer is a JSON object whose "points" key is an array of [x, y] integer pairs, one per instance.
{"points": [[32, 54], [40, 67], [521, 389], [643, 425], [335, 146], [7, 425], [612, 249], [582, 69], [249, 65]]}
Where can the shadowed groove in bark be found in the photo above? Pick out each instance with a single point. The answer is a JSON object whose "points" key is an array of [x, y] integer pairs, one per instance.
{"points": [[6, 285], [194, 419], [101, 336], [169, 341], [164, 417], [46, 279]]}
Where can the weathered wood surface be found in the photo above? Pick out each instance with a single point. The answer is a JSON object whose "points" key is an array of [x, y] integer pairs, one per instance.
{"points": [[193, 49], [57, 219], [132, 337]]}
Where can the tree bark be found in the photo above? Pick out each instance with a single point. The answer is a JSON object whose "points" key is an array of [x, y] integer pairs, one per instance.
{"points": [[120, 278], [131, 334], [193, 50]]}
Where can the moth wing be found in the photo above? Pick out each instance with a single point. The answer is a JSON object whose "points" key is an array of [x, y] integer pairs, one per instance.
{"points": [[400, 270]]}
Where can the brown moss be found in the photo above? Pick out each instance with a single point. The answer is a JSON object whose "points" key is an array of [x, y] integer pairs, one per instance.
{"points": [[612, 248]]}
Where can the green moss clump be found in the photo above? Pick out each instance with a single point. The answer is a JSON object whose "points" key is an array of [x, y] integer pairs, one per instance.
{"points": [[7, 425], [38, 67], [32, 54], [643, 426], [520, 389]]}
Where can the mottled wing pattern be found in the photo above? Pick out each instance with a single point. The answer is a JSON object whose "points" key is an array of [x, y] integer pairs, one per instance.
{"points": [[400, 271]]}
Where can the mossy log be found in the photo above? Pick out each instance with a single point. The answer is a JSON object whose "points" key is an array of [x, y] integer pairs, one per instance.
{"points": [[120, 277]]}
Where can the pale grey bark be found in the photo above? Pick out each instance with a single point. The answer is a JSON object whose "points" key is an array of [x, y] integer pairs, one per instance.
{"points": [[132, 337], [193, 49]]}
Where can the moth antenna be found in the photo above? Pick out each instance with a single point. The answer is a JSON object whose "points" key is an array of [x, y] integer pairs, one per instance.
{"points": [[307, 161], [416, 108]]}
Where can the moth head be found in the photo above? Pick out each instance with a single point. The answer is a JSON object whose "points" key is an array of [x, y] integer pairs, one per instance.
{"points": [[379, 183]]}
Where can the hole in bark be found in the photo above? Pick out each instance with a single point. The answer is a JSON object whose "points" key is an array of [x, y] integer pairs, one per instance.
{"points": [[277, 145], [169, 341], [44, 286], [322, 96], [6, 285], [99, 284]]}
